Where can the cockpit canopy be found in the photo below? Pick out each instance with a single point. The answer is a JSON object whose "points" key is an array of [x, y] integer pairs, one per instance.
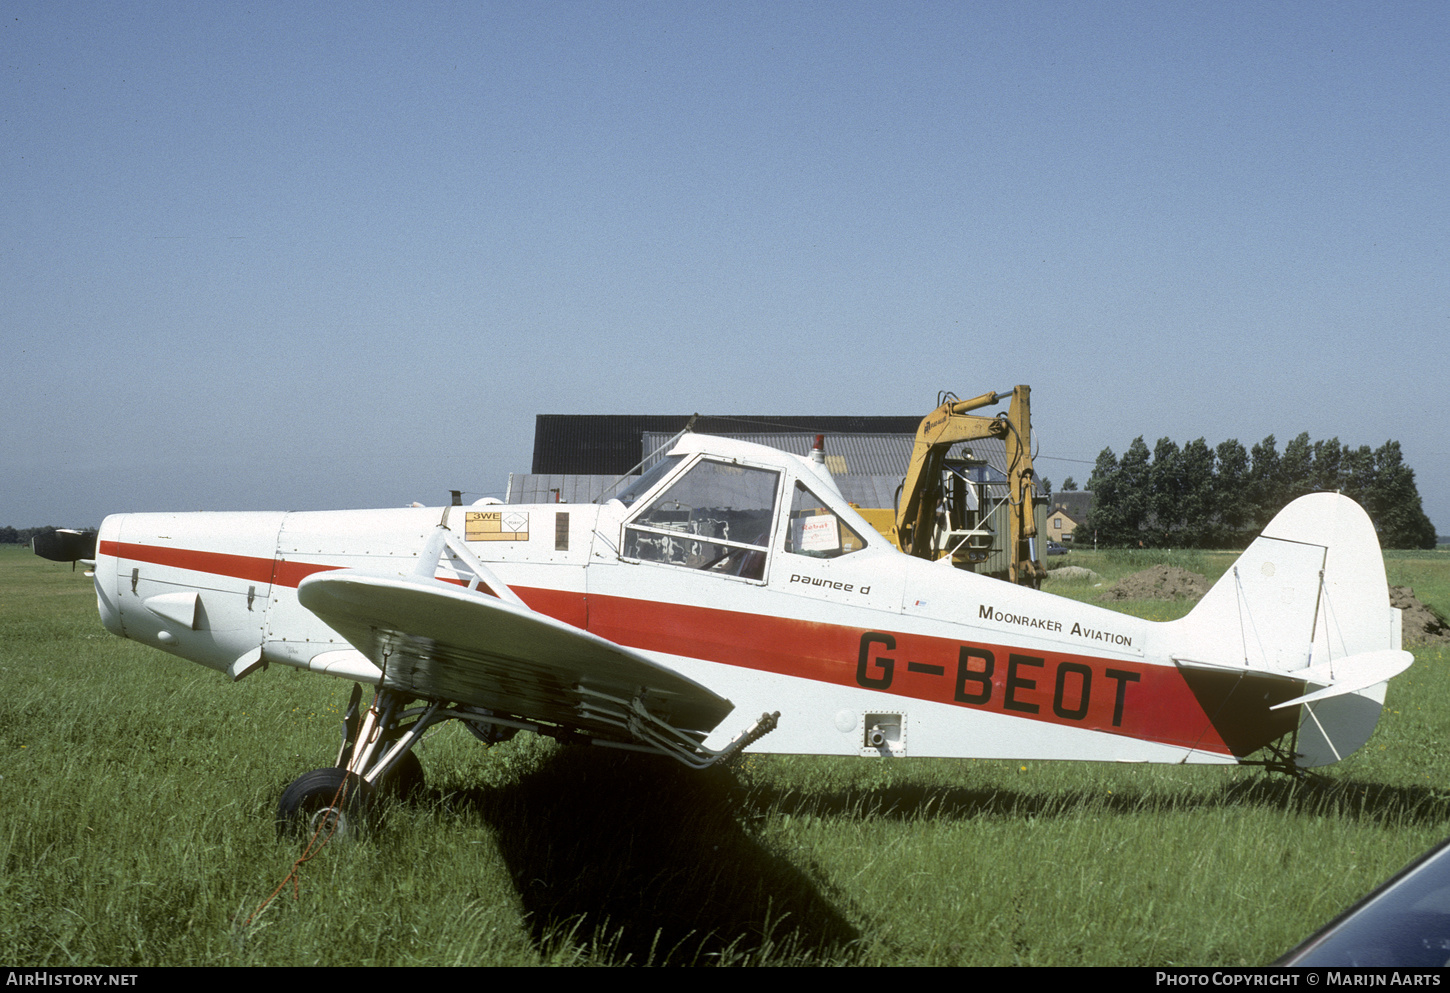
{"points": [[722, 514]]}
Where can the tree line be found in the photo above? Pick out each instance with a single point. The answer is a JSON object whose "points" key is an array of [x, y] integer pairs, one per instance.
{"points": [[1202, 497]]}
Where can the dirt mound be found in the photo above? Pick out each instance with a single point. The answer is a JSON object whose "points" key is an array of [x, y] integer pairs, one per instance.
{"points": [[1072, 574], [1162, 582], [1422, 626]]}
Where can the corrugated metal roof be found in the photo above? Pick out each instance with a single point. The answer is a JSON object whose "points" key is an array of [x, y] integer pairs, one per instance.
{"points": [[604, 443], [869, 491], [527, 487], [871, 454], [868, 454], [868, 465], [594, 443]]}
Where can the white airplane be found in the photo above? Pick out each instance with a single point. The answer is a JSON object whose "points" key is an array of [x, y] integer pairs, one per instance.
{"points": [[734, 572]]}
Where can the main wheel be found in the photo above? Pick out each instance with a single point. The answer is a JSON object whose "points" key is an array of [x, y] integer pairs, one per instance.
{"points": [[322, 801]]}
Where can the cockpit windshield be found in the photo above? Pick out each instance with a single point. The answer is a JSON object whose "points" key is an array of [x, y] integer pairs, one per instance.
{"points": [[644, 482], [716, 517]]}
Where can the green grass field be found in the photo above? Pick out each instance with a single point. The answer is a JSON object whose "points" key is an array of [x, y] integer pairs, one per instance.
{"points": [[138, 793]]}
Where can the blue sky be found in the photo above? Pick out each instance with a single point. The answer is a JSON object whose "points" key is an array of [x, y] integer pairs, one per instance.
{"points": [[300, 256]]}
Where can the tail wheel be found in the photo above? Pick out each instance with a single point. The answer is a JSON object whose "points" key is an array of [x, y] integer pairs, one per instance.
{"points": [[331, 802]]}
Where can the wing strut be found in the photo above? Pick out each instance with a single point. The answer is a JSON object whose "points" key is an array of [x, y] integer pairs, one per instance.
{"points": [[442, 538]]}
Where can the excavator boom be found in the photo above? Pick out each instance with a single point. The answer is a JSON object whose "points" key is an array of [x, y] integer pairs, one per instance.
{"points": [[918, 521]]}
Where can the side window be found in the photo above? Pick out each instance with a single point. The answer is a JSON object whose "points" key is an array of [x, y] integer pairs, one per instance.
{"points": [[815, 530], [716, 517]]}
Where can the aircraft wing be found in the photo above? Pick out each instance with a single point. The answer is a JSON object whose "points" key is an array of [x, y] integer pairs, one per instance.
{"points": [[435, 639]]}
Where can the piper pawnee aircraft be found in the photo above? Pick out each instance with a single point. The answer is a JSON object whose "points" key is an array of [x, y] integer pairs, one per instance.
{"points": [[730, 598]]}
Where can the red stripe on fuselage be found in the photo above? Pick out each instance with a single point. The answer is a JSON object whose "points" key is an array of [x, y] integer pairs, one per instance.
{"points": [[1150, 702], [251, 568], [247, 567]]}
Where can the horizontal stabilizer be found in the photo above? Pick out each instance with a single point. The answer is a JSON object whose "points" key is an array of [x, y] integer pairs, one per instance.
{"points": [[65, 545], [1349, 675], [1209, 666]]}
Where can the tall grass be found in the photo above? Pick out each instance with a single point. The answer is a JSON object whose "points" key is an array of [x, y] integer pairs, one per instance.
{"points": [[138, 792]]}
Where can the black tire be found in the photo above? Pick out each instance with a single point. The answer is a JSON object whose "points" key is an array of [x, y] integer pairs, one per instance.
{"points": [[311, 805]]}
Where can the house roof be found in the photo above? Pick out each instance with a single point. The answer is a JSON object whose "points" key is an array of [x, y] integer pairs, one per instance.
{"points": [[1074, 504]]}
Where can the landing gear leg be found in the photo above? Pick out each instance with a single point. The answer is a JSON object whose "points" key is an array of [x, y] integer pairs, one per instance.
{"points": [[350, 723], [376, 758]]}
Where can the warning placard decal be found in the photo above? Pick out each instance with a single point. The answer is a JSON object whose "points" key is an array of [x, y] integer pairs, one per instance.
{"points": [[820, 534], [496, 525]]}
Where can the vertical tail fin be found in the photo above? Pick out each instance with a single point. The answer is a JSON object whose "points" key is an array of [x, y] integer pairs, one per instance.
{"points": [[1307, 601]]}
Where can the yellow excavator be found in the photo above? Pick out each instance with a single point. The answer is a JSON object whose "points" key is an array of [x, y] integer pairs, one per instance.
{"points": [[938, 512]]}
